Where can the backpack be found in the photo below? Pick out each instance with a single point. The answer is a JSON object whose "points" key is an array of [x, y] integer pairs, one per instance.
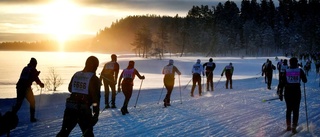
{"points": [[8, 122]]}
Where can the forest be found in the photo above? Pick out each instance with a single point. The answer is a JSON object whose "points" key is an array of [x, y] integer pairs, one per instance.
{"points": [[254, 29]]}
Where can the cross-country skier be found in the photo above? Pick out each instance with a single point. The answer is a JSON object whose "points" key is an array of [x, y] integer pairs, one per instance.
{"points": [[168, 80], [228, 70], [292, 93], [85, 92], [197, 70], [128, 76], [283, 68], [269, 73], [263, 70], [109, 75], [209, 67], [28, 75]]}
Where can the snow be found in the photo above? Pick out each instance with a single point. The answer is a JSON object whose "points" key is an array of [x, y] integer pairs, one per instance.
{"points": [[224, 112]]}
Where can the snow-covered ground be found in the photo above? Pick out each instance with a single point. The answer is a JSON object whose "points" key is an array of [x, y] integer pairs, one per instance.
{"points": [[224, 112]]}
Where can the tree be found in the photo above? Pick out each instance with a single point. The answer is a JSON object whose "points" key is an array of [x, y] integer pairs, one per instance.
{"points": [[53, 80]]}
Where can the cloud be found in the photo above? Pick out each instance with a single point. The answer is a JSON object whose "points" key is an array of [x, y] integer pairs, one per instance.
{"points": [[168, 5]]}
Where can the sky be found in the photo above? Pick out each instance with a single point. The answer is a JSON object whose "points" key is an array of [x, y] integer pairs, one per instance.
{"points": [[62, 19], [237, 112]]}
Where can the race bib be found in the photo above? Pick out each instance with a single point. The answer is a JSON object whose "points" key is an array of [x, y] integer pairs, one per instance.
{"points": [[128, 73], [168, 69], [293, 75], [109, 65], [80, 82]]}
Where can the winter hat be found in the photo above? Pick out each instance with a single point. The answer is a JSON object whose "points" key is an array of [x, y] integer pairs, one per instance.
{"points": [[293, 62], [33, 62], [230, 64], [114, 57], [198, 60], [92, 64], [210, 60], [131, 64], [171, 62]]}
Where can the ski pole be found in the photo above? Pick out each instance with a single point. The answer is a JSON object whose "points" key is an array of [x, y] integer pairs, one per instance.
{"points": [[187, 84], [180, 90], [138, 94], [39, 100], [218, 82], [160, 94], [305, 104]]}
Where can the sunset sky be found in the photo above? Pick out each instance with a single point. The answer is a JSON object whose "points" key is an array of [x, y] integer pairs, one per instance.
{"points": [[64, 18]]}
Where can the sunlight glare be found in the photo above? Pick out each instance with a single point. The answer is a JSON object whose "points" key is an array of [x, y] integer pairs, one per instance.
{"points": [[61, 19]]}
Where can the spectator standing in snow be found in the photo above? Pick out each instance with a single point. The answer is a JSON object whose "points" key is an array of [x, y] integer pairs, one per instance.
{"points": [[128, 76], [269, 73], [197, 69], [209, 67], [168, 80], [228, 70], [109, 75], [85, 92], [28, 75], [292, 93], [263, 70]]}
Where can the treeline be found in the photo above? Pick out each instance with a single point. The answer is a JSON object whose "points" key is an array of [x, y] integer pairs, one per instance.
{"points": [[47, 45], [253, 30]]}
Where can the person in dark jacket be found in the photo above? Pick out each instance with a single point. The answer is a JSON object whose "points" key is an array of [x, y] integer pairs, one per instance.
{"points": [[228, 70], [284, 66], [269, 73], [209, 68], [168, 80], [85, 93], [128, 76], [28, 75], [263, 70], [109, 75], [292, 93]]}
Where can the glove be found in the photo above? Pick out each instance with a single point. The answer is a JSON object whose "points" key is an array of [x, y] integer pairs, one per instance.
{"points": [[38, 73], [221, 75], [142, 77], [262, 74], [281, 97], [203, 73], [95, 116], [41, 85], [94, 120]]}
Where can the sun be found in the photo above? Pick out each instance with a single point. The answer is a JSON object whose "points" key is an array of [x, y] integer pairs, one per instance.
{"points": [[61, 19]]}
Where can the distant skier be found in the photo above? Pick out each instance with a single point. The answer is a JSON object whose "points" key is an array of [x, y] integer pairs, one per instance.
{"points": [[279, 65], [263, 70], [109, 75], [168, 80], [28, 75], [307, 67], [85, 92], [292, 93], [283, 68], [228, 70], [197, 69], [128, 76], [269, 73], [209, 67]]}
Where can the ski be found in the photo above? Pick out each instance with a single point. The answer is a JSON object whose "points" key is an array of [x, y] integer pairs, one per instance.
{"points": [[271, 99]]}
